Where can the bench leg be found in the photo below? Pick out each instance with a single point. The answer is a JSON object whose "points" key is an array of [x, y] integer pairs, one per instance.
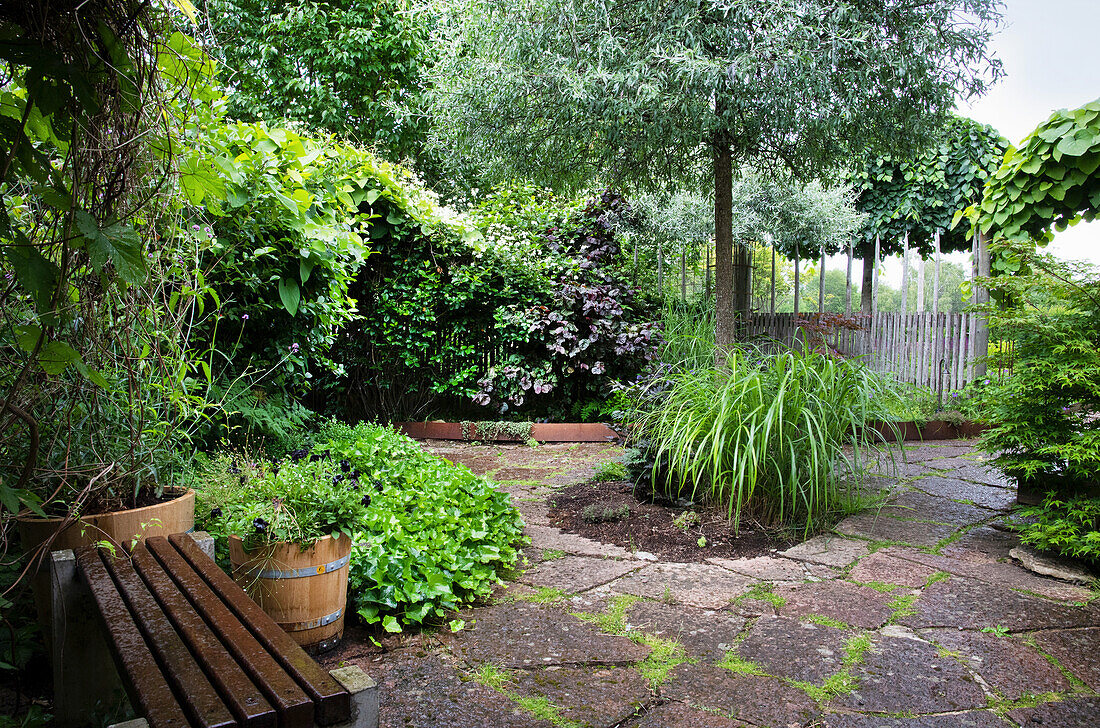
{"points": [[84, 675], [364, 696]]}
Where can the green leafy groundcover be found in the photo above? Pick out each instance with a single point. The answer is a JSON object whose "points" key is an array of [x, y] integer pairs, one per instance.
{"points": [[435, 535]]}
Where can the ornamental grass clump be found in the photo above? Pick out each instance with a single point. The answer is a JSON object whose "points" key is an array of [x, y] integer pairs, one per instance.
{"points": [[779, 438]]}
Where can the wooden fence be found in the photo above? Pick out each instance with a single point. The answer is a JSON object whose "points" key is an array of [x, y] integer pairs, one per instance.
{"points": [[932, 350]]}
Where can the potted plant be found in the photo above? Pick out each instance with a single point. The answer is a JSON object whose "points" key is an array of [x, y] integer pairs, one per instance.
{"points": [[288, 528]]}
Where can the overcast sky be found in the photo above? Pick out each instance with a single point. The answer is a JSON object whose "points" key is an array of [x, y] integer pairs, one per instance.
{"points": [[1051, 55]]}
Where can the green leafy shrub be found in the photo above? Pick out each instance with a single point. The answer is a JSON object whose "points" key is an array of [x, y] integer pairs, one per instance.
{"points": [[610, 470], [603, 513], [1045, 432], [436, 536], [1066, 526]]}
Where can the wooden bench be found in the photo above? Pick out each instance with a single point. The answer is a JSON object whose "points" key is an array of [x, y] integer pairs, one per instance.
{"points": [[189, 647]]}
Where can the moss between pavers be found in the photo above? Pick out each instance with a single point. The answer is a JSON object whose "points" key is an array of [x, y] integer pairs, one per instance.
{"points": [[545, 595], [735, 663], [825, 621], [497, 678], [1002, 706], [904, 605], [843, 681], [1075, 681], [762, 591]]}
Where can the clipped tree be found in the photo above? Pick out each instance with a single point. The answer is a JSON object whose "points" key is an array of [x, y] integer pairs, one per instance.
{"points": [[919, 195], [642, 91]]}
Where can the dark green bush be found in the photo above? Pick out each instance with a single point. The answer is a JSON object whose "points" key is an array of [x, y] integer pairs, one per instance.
{"points": [[1065, 526]]}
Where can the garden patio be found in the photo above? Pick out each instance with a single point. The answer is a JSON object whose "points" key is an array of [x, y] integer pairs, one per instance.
{"points": [[911, 615]]}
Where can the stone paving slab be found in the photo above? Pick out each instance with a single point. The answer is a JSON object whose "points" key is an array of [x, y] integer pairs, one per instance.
{"points": [[1007, 664], [530, 635], [678, 715], [577, 573], [968, 719], [703, 633], [829, 550], [762, 701], [1009, 575], [986, 496], [878, 527], [920, 506], [907, 675], [859, 606], [548, 537], [1076, 650], [1073, 712], [882, 567], [420, 691], [787, 648], [983, 543], [969, 604], [771, 568], [927, 452], [597, 697], [698, 585]]}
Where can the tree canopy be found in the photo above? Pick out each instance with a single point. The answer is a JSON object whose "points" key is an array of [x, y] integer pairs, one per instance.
{"points": [[355, 68], [643, 91], [921, 193]]}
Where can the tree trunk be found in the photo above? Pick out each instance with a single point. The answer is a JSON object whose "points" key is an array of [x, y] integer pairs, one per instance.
{"points": [[868, 286], [874, 274], [706, 284], [725, 326]]}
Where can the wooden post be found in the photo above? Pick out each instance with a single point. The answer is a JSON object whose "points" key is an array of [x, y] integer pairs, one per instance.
{"points": [[874, 277], [905, 274], [821, 283], [796, 279], [920, 284], [660, 271], [848, 281], [981, 293], [683, 276], [936, 278], [772, 307]]}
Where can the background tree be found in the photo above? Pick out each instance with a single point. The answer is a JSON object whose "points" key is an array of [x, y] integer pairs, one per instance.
{"points": [[647, 90], [355, 68], [919, 195]]}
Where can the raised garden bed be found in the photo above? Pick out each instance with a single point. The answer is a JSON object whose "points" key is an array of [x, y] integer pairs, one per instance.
{"points": [[931, 430], [509, 432]]}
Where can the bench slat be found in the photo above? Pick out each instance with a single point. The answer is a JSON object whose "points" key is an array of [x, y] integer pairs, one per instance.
{"points": [[333, 702], [148, 692], [192, 688], [293, 705], [244, 699]]}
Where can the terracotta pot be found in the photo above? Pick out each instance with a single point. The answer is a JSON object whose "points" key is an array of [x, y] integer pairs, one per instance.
{"points": [[304, 591], [176, 515]]}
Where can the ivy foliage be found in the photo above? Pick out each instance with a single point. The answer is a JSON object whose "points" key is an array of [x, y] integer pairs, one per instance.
{"points": [[435, 536], [921, 194], [1048, 183], [347, 67]]}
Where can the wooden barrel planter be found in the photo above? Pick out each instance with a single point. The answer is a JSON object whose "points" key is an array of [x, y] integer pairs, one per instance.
{"points": [[304, 591], [174, 514]]}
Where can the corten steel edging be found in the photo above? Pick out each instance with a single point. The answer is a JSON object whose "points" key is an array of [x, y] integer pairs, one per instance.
{"points": [[244, 699], [145, 685], [929, 431], [541, 431], [333, 703], [196, 695], [293, 705]]}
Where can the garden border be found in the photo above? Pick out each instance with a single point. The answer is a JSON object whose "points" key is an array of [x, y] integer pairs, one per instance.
{"points": [[930, 430], [541, 431]]}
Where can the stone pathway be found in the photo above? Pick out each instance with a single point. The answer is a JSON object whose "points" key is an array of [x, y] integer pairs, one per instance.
{"points": [[911, 615]]}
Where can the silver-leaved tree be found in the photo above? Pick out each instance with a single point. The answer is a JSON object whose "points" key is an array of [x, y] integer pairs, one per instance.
{"points": [[643, 93]]}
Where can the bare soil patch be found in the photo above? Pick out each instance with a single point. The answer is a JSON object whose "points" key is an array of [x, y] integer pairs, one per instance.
{"points": [[668, 532]]}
